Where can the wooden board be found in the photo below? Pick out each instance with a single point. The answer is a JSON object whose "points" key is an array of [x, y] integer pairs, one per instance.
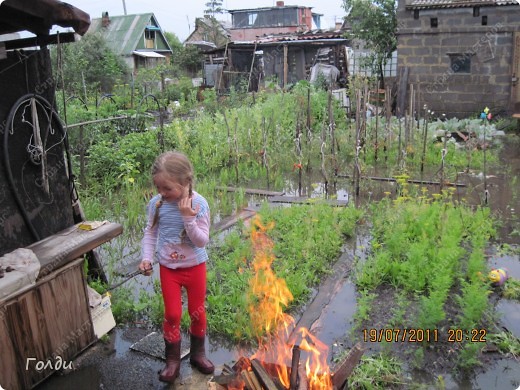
{"points": [[228, 222], [252, 191], [301, 199], [69, 244]]}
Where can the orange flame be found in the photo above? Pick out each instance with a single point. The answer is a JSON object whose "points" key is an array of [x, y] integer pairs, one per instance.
{"points": [[269, 296]]}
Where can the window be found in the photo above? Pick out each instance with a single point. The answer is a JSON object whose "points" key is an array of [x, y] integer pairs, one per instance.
{"points": [[476, 12], [434, 22], [460, 62], [149, 34], [416, 14], [484, 20], [252, 18]]}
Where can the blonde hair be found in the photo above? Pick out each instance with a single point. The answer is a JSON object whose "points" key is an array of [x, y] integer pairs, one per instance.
{"points": [[178, 167]]}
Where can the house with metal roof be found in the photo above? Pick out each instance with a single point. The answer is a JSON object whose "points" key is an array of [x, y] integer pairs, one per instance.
{"points": [[460, 55], [137, 38]]}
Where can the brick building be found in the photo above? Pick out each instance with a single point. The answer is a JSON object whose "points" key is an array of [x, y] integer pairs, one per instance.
{"points": [[461, 55]]}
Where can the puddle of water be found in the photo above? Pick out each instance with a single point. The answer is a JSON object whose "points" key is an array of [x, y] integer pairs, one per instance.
{"points": [[336, 318], [509, 262], [502, 376], [509, 312], [87, 378], [121, 345]]}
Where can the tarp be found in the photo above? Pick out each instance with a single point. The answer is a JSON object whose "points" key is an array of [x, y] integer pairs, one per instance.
{"points": [[26, 269], [330, 72]]}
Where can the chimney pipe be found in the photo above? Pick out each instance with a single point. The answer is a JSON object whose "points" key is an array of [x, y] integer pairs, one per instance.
{"points": [[105, 19], [280, 4]]}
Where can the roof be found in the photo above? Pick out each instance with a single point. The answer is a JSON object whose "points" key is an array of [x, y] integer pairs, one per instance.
{"points": [[124, 32], [425, 4], [308, 36], [231, 11], [39, 16], [147, 54]]}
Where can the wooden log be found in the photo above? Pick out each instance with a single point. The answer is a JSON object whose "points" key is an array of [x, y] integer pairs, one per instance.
{"points": [[295, 363], [262, 376], [255, 381], [343, 370], [225, 379], [247, 380], [242, 364]]}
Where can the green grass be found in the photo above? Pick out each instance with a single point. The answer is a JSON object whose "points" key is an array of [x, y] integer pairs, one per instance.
{"points": [[307, 241]]}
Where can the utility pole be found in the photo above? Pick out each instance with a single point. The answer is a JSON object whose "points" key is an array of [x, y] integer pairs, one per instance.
{"points": [[124, 7]]}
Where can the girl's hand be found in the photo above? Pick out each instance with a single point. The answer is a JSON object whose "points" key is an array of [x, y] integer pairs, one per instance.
{"points": [[185, 207], [146, 267]]}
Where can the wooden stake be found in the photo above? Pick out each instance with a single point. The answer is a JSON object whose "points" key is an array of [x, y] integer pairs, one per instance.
{"points": [[344, 369]]}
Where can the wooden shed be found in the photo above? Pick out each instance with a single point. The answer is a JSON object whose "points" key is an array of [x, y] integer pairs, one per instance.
{"points": [[45, 317]]}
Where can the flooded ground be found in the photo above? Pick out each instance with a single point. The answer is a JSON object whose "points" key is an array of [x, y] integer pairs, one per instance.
{"points": [[330, 312]]}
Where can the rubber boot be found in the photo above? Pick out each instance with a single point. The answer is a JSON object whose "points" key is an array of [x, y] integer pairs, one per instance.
{"points": [[198, 355], [173, 361]]}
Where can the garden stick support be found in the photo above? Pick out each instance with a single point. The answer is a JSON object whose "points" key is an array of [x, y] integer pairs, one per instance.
{"points": [[236, 157], [264, 155], [252, 65], [332, 131], [425, 134], [228, 136]]}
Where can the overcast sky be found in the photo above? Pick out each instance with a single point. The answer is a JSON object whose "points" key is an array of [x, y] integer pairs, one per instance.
{"points": [[178, 17]]}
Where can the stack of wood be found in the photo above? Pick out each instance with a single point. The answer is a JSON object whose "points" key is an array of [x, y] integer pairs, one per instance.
{"points": [[251, 374]]}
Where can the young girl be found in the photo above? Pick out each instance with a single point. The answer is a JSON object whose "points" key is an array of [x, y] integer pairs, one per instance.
{"points": [[175, 236]]}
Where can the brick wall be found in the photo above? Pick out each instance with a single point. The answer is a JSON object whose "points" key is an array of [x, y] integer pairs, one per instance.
{"points": [[433, 53]]}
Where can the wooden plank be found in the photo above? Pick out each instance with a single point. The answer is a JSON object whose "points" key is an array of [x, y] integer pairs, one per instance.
{"points": [[69, 244], [251, 191], [247, 380], [41, 40], [8, 366], [305, 200], [262, 376], [342, 371], [413, 181], [228, 222]]}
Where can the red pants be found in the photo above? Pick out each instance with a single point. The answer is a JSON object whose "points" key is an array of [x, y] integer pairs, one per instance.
{"points": [[194, 280]]}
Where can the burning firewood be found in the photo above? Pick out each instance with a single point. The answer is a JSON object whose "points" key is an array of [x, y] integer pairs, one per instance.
{"points": [[343, 370]]}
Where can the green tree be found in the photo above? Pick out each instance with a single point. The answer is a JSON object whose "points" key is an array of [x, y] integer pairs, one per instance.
{"points": [[185, 59], [375, 23], [88, 64], [214, 7]]}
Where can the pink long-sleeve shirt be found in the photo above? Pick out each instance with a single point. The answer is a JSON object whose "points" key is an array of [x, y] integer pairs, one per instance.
{"points": [[176, 241]]}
